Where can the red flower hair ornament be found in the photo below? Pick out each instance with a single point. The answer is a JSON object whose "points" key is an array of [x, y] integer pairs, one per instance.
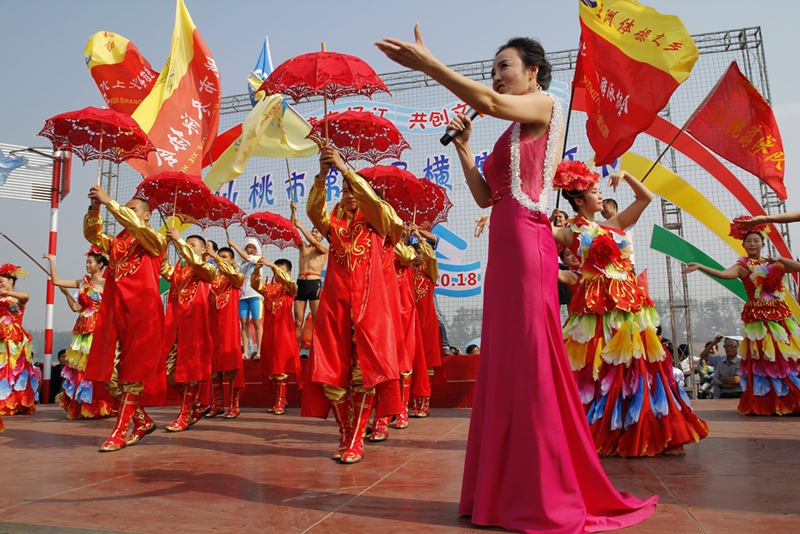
{"points": [[739, 231], [14, 271], [94, 250], [574, 176]]}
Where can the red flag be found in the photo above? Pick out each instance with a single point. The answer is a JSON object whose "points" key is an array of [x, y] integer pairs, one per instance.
{"points": [[737, 123], [181, 113], [123, 76], [631, 60]]}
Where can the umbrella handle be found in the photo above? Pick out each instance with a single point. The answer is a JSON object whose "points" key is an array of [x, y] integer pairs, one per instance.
{"points": [[325, 105], [414, 217], [100, 160]]}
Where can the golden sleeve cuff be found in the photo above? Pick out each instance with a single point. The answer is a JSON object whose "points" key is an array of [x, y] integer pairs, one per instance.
{"points": [[154, 243], [380, 215], [317, 206]]}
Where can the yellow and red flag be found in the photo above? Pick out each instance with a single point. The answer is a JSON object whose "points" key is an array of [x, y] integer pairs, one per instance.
{"points": [[122, 74], [736, 122], [181, 113], [631, 60]]}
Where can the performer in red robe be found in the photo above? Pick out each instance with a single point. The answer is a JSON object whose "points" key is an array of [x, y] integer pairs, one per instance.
{"points": [[353, 350], [280, 354], [132, 315], [226, 332], [405, 345], [426, 272], [187, 340]]}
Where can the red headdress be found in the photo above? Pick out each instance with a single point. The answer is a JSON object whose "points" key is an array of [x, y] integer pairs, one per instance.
{"points": [[94, 250], [574, 176], [740, 231], [14, 271]]}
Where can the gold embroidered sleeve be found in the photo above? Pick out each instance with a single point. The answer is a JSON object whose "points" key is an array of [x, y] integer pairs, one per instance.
{"points": [[93, 231], [166, 270], [380, 215], [404, 253], [229, 271], [431, 265], [201, 268], [317, 206], [285, 280], [255, 281], [154, 243]]}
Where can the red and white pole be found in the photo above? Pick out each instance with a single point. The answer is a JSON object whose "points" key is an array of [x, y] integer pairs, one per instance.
{"points": [[61, 169]]}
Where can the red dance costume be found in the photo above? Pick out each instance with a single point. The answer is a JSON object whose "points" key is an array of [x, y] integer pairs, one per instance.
{"points": [[82, 399], [425, 276], [18, 383], [226, 333], [633, 404], [280, 354], [354, 349], [187, 336], [132, 316], [770, 351]]}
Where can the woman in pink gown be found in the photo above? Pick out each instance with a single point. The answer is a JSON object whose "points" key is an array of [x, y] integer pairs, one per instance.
{"points": [[531, 465]]}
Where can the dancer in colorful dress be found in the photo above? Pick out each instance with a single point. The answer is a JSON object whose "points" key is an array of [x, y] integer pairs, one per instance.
{"points": [[354, 351], [280, 354], [226, 360], [530, 463], [188, 343], [770, 351], [633, 404], [19, 388], [80, 399], [125, 351]]}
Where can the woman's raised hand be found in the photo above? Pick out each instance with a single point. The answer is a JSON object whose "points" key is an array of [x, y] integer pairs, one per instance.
{"points": [[414, 55], [461, 123]]}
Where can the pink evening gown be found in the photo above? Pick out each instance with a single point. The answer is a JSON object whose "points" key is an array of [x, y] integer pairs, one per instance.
{"points": [[531, 464]]}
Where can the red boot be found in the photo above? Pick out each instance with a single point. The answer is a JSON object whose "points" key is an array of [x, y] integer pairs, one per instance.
{"points": [[118, 439], [198, 409], [424, 407], [362, 407], [415, 404], [233, 411], [280, 397], [182, 422], [274, 383], [217, 407], [380, 429], [343, 413], [405, 389], [142, 425]]}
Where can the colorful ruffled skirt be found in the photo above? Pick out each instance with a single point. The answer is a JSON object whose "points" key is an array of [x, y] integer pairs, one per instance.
{"points": [[633, 404], [19, 387], [78, 399], [770, 354]]}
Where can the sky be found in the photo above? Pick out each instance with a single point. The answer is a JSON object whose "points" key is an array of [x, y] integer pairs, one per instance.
{"points": [[42, 44]]}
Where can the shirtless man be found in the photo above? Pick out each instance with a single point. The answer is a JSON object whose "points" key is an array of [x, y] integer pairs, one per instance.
{"points": [[309, 282]]}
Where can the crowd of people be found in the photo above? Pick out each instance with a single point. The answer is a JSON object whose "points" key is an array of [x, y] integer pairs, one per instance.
{"points": [[600, 380]]}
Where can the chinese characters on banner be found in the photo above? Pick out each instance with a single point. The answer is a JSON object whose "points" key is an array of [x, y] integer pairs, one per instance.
{"points": [[737, 123], [630, 60]]}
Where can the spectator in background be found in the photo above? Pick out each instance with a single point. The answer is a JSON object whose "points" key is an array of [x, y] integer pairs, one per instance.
{"points": [[709, 353], [55, 376], [38, 369], [726, 380], [473, 349]]}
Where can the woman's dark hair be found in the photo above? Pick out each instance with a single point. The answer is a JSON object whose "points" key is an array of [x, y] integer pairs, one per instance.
{"points": [[753, 232], [571, 195], [99, 259], [683, 351], [12, 278], [532, 54]]}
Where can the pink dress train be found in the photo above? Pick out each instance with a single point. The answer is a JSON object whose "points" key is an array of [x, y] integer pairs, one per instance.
{"points": [[531, 464]]}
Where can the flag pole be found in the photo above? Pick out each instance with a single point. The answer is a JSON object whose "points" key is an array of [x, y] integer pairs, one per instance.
{"points": [[39, 265], [653, 166], [566, 133]]}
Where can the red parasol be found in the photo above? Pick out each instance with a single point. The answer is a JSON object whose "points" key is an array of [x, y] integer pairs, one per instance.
{"points": [[359, 134], [93, 133], [330, 74], [176, 194], [399, 188], [433, 210], [223, 214], [272, 229]]}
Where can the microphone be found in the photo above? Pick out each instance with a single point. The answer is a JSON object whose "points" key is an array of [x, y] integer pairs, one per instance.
{"points": [[450, 133]]}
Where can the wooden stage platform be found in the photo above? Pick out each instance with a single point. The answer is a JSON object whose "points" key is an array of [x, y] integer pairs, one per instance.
{"points": [[267, 473]]}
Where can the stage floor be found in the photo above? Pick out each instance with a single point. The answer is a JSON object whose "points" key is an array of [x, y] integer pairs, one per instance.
{"points": [[264, 473]]}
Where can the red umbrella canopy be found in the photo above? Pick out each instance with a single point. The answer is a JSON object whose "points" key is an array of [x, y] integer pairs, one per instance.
{"points": [[399, 188], [435, 207], [272, 229], [330, 73], [93, 133], [177, 194], [361, 135], [223, 214]]}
